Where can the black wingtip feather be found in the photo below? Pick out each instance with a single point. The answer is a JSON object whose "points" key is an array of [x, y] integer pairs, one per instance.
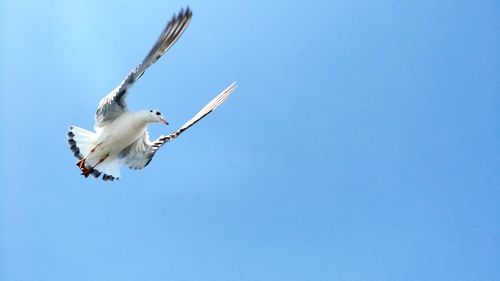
{"points": [[95, 173], [107, 177], [72, 144], [184, 13]]}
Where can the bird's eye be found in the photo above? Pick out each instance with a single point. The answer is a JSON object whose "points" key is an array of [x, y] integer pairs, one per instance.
{"points": [[158, 113], [151, 110]]}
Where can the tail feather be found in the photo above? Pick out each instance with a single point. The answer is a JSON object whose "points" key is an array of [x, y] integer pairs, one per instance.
{"points": [[110, 169], [80, 141]]}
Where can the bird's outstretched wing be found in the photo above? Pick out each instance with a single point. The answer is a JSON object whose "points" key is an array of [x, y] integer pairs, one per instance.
{"points": [[139, 154], [112, 105]]}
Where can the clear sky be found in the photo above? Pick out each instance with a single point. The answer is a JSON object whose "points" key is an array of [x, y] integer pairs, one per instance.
{"points": [[363, 142]]}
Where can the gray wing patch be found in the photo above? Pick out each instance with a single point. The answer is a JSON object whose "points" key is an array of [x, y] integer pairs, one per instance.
{"points": [[137, 155], [113, 104]]}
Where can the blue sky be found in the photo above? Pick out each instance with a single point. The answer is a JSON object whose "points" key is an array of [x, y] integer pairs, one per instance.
{"points": [[361, 144]]}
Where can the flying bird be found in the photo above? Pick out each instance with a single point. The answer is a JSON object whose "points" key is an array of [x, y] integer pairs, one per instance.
{"points": [[121, 135]]}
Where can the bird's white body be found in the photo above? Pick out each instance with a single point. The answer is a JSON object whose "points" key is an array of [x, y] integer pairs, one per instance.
{"points": [[118, 135], [122, 132]]}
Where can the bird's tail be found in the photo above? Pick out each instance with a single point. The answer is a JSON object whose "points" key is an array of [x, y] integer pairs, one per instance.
{"points": [[80, 141], [111, 169]]}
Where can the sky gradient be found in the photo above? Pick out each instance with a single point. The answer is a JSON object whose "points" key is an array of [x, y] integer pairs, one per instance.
{"points": [[361, 144]]}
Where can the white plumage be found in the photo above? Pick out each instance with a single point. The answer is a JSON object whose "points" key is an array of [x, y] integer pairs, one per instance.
{"points": [[121, 136]]}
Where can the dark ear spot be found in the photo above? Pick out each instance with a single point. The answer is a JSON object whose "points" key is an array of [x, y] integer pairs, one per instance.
{"points": [[158, 113], [151, 110]]}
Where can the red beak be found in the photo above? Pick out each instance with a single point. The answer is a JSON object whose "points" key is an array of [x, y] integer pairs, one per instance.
{"points": [[163, 121]]}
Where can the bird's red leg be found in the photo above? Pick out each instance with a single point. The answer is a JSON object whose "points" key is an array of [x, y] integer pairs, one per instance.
{"points": [[87, 171], [81, 163], [100, 161]]}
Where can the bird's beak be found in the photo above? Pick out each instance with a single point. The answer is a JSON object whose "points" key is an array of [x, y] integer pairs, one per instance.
{"points": [[163, 121]]}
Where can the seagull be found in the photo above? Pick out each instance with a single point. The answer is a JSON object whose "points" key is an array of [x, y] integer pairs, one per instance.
{"points": [[121, 135]]}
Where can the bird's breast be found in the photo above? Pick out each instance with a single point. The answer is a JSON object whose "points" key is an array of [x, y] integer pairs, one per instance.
{"points": [[122, 132]]}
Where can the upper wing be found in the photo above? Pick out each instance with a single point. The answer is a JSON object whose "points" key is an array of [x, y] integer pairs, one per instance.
{"points": [[139, 154], [112, 105]]}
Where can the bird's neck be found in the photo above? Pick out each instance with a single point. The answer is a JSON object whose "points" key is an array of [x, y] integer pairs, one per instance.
{"points": [[139, 120]]}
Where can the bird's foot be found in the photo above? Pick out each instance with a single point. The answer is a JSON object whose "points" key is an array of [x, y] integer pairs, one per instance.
{"points": [[81, 163], [86, 171]]}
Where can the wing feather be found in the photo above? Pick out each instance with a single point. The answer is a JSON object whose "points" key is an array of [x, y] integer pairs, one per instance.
{"points": [[211, 106], [113, 104]]}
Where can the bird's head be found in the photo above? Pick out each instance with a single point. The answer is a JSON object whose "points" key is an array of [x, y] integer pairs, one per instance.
{"points": [[155, 116]]}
